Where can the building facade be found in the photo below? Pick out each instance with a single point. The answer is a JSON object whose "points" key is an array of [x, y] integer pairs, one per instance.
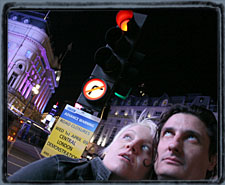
{"points": [[31, 62], [121, 112]]}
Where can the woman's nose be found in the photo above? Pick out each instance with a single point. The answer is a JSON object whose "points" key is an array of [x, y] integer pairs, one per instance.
{"points": [[133, 146]]}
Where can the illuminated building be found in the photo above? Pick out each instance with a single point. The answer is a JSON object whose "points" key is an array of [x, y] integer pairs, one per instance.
{"points": [[31, 62], [121, 113]]}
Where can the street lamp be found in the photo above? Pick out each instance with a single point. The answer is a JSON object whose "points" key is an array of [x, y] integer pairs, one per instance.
{"points": [[35, 91]]}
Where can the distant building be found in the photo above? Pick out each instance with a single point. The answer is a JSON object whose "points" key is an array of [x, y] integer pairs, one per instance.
{"points": [[121, 113], [30, 62]]}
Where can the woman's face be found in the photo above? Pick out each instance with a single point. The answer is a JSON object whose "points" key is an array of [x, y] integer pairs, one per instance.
{"points": [[126, 155]]}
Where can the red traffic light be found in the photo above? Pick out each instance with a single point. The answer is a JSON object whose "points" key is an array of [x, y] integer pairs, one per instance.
{"points": [[122, 18]]}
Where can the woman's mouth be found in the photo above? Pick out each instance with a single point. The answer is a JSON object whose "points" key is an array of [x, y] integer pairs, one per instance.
{"points": [[126, 157]]}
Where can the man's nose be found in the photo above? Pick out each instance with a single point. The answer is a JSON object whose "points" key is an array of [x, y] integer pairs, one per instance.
{"points": [[175, 145]]}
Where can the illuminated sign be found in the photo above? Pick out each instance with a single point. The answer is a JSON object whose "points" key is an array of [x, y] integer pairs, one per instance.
{"points": [[71, 133], [94, 89]]}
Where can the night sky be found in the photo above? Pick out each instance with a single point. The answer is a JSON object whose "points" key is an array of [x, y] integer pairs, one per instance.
{"points": [[180, 46]]}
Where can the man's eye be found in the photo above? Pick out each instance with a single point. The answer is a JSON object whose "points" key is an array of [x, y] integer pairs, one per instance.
{"points": [[145, 148], [167, 133], [192, 138]]}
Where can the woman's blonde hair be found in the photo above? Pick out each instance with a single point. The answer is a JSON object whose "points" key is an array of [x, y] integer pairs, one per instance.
{"points": [[141, 120]]}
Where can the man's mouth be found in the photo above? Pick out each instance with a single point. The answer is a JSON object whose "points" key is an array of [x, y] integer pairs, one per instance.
{"points": [[173, 160]]}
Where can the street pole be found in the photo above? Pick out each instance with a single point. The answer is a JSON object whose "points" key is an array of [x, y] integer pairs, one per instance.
{"points": [[31, 97]]}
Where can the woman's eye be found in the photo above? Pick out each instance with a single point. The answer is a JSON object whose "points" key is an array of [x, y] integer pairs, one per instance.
{"points": [[145, 148], [127, 137]]}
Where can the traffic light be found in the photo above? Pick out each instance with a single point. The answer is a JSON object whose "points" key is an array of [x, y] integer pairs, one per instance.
{"points": [[116, 62], [131, 24]]}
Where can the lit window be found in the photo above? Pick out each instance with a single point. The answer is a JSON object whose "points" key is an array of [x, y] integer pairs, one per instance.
{"points": [[57, 78], [39, 69], [14, 18], [99, 141], [28, 54], [26, 21], [92, 139], [37, 63], [104, 142], [12, 79]]}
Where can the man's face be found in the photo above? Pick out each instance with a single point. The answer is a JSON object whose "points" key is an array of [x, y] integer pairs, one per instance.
{"points": [[127, 153], [183, 149]]}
